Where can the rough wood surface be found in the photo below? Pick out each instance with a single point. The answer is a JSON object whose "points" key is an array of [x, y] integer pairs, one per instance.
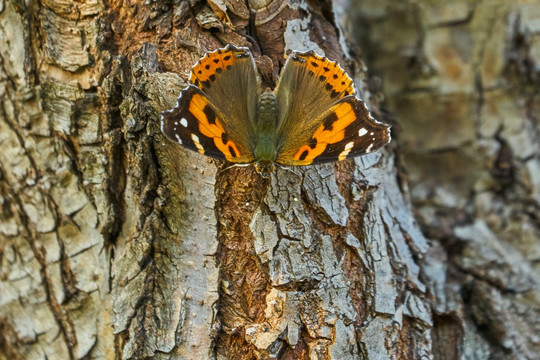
{"points": [[117, 244], [462, 81]]}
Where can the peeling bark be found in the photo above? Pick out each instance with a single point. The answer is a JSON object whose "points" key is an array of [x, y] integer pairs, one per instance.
{"points": [[115, 243]]}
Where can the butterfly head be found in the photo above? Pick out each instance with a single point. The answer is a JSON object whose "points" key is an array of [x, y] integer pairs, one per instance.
{"points": [[265, 168]]}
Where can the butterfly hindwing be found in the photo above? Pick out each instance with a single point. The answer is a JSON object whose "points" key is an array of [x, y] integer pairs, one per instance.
{"points": [[308, 84], [228, 77], [320, 118], [327, 73], [197, 125]]}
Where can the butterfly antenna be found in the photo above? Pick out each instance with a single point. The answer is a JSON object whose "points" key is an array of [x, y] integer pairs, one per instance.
{"points": [[286, 168], [233, 165]]}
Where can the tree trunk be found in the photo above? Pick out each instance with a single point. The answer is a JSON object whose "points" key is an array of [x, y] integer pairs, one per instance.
{"points": [[117, 244], [462, 79]]}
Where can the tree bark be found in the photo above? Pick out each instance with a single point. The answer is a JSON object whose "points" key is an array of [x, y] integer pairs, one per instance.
{"points": [[117, 244], [462, 79]]}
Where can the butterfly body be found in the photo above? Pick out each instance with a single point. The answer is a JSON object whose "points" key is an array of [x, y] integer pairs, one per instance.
{"points": [[311, 117], [266, 140]]}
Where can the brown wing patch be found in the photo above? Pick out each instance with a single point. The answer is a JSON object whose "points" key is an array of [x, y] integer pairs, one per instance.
{"points": [[215, 62], [334, 78]]}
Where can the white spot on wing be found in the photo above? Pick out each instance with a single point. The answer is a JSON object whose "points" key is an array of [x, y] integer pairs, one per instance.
{"points": [[176, 123], [362, 132], [198, 145], [178, 139], [184, 122], [368, 150], [346, 151]]}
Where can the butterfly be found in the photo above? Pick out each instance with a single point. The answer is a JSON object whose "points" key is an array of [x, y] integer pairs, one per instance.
{"points": [[311, 117]]}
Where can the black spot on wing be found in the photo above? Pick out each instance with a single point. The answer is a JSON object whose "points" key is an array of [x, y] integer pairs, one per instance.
{"points": [[209, 147], [329, 121], [224, 138], [329, 154], [210, 114]]}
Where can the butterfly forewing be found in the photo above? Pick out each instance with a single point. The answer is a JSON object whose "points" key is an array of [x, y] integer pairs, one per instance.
{"points": [[198, 126], [320, 119], [345, 130]]}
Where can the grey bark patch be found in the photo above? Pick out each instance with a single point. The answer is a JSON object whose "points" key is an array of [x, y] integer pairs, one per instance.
{"points": [[487, 257], [264, 234], [376, 240], [321, 189], [415, 307], [284, 199]]}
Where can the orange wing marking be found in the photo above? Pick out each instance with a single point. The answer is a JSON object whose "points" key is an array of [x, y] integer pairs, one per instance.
{"points": [[331, 131], [335, 78], [212, 128], [214, 62]]}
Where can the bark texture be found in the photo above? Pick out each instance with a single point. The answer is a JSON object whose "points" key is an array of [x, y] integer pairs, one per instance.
{"points": [[462, 80], [117, 244]]}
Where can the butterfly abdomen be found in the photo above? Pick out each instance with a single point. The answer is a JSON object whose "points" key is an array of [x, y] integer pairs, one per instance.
{"points": [[265, 148]]}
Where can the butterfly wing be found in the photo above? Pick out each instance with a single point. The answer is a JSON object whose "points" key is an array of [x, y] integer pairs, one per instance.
{"points": [[320, 120], [216, 114], [197, 125], [345, 130]]}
